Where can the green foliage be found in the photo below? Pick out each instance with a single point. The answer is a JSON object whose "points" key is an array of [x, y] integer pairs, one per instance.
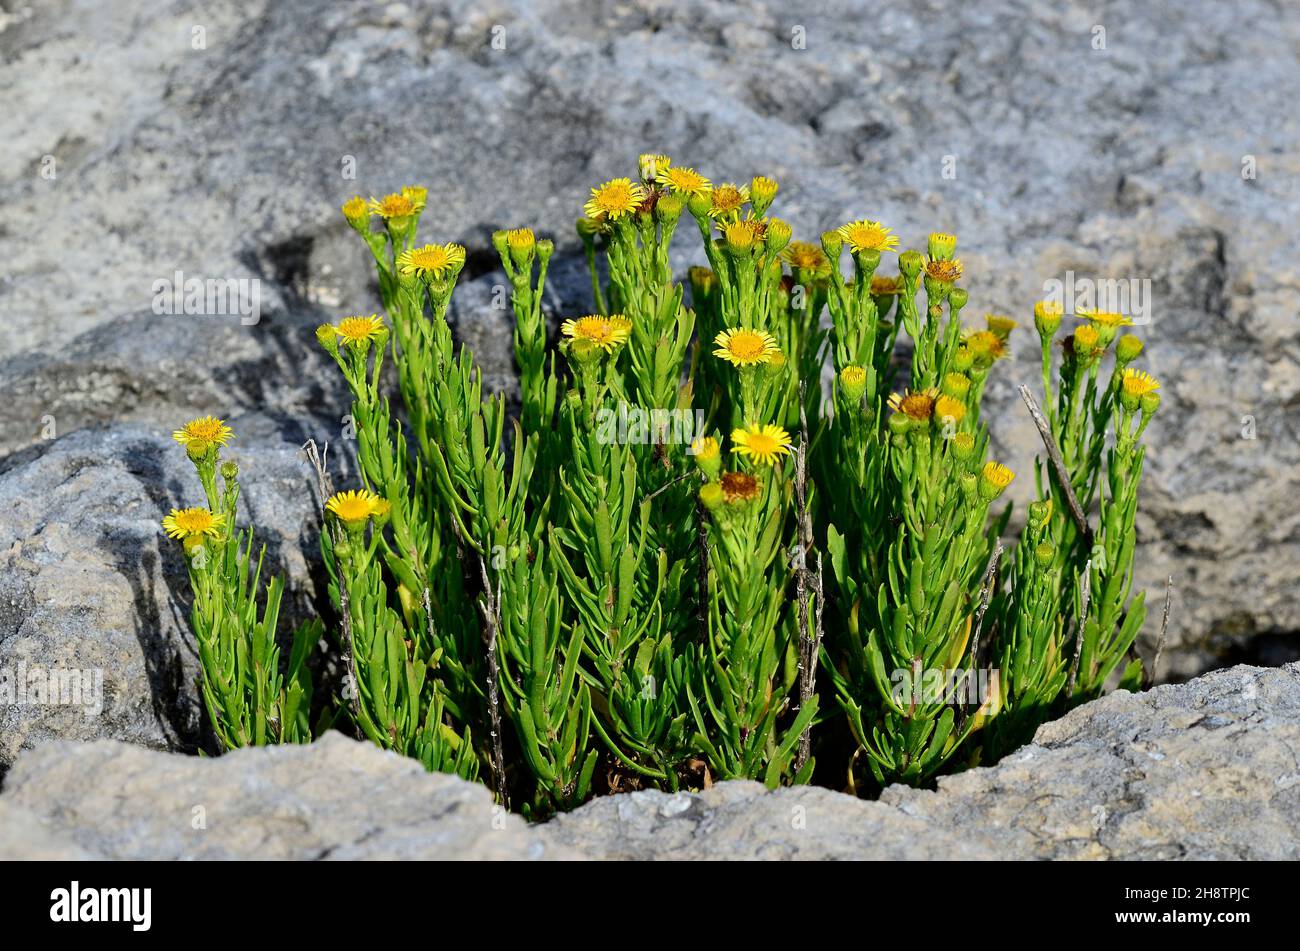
{"points": [[620, 585]]}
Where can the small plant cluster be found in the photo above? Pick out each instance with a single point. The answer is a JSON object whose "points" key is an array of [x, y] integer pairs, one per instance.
{"points": [[678, 559]]}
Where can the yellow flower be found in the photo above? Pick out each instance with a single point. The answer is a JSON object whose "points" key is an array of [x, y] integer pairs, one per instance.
{"points": [[417, 195], [392, 206], [206, 429], [1104, 318], [744, 348], [1138, 383], [193, 523], [607, 333], [868, 236], [1047, 309], [651, 165], [948, 409], [356, 209], [993, 479], [1086, 341], [883, 285], [853, 379], [727, 200], [353, 507], [944, 271], [743, 234], [704, 448], [432, 260], [941, 245], [355, 331], [986, 343], [914, 404], [801, 254], [763, 189], [614, 199], [521, 238], [761, 443], [1000, 324], [739, 487], [683, 181]]}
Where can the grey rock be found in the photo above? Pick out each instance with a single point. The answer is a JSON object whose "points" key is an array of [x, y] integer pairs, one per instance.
{"points": [[90, 586], [227, 161], [335, 799], [1203, 770]]}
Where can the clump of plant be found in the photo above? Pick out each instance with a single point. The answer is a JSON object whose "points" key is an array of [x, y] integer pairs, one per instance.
{"points": [[252, 695], [624, 583]]}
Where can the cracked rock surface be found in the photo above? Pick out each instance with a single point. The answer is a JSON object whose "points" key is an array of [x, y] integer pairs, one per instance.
{"points": [[1209, 769]]}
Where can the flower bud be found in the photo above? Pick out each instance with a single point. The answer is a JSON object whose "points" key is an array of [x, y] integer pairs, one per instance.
{"points": [[1039, 512], [707, 455], [230, 470], [762, 190], [1127, 349], [899, 423], [357, 212], [1047, 318], [941, 246], [910, 263], [328, 339], [957, 298], [669, 208], [700, 205], [1150, 402], [956, 385], [963, 446], [522, 244], [853, 380], [994, 478], [1044, 554], [963, 359], [832, 244], [778, 235], [711, 496]]}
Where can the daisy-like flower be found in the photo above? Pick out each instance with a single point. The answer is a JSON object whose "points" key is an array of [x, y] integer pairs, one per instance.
{"points": [[868, 236], [614, 199], [916, 405], [432, 260], [393, 206], [948, 409], [1000, 324], [608, 333], [944, 271], [193, 523], [207, 430], [743, 234], [353, 507], [651, 165], [728, 199], [882, 285], [739, 487], [356, 209], [987, 343], [356, 331], [763, 444], [742, 347], [1138, 383], [994, 478], [1047, 317], [809, 257], [683, 181]]}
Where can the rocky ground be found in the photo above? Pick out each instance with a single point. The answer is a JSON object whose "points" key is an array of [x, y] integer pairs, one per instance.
{"points": [[217, 139], [1203, 770]]}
